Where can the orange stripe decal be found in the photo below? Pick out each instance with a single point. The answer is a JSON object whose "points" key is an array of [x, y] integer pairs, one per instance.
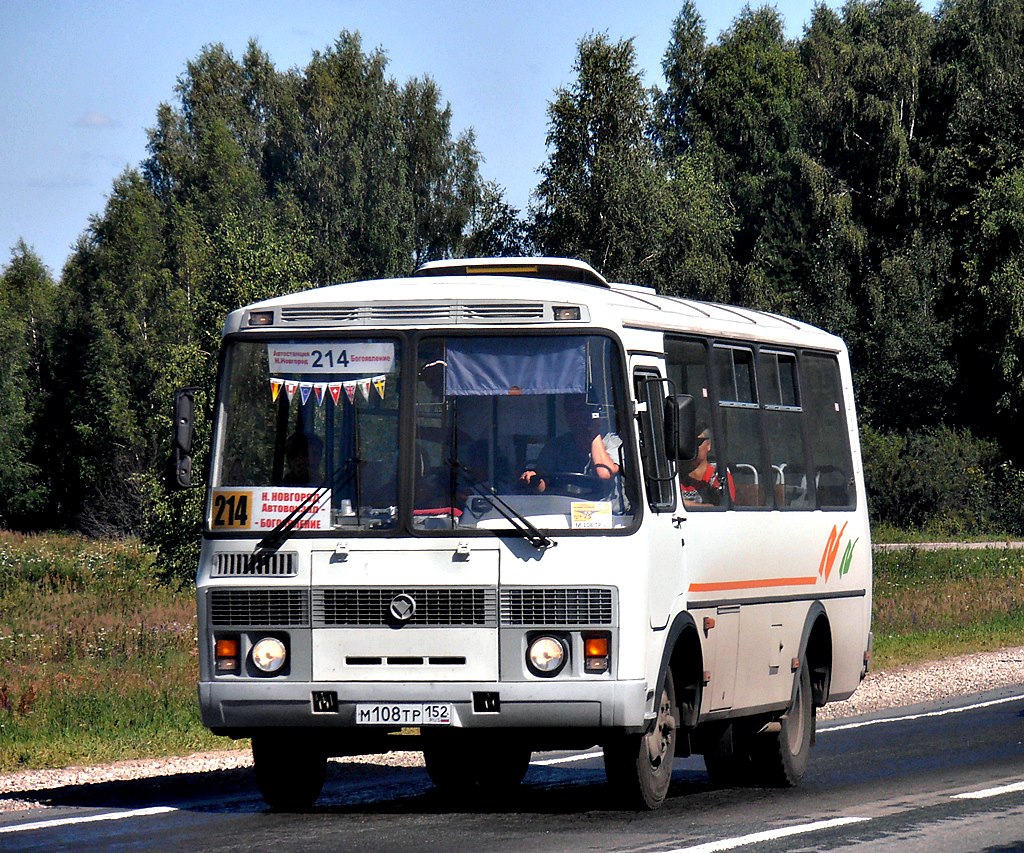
{"points": [[763, 583]]}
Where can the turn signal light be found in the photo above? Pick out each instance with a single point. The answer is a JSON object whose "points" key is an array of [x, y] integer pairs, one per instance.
{"points": [[596, 657], [226, 654]]}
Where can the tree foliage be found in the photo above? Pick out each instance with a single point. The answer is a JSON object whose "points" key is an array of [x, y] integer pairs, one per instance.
{"points": [[865, 177]]}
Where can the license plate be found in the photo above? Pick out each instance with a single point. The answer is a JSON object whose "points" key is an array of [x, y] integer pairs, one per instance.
{"points": [[404, 714]]}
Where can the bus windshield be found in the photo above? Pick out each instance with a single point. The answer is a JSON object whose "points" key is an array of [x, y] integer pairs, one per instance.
{"points": [[527, 425], [507, 432]]}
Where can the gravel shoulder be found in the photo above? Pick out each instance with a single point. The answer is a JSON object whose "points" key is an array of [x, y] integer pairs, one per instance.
{"points": [[907, 685]]}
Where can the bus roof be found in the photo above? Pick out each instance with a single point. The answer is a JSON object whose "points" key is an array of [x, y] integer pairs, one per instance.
{"points": [[495, 292]]}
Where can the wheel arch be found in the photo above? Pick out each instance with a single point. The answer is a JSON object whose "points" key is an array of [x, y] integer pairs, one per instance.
{"points": [[816, 652], [684, 655]]}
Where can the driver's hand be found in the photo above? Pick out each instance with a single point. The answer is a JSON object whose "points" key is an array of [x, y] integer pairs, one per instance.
{"points": [[531, 478]]}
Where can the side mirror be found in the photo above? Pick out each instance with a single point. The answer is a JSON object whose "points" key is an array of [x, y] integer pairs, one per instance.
{"points": [[680, 427], [184, 432]]}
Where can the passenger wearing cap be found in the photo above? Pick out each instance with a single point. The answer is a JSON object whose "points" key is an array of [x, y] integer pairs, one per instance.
{"points": [[581, 450], [701, 485]]}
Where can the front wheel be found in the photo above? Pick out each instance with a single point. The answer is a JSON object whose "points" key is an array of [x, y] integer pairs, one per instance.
{"points": [[290, 771], [639, 767]]}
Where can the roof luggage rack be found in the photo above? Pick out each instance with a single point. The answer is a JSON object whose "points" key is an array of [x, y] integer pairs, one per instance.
{"points": [[555, 269]]}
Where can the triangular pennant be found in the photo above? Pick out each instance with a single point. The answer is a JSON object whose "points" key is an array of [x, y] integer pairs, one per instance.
{"points": [[335, 389], [364, 386], [350, 391], [378, 383], [321, 389], [305, 389], [290, 389], [275, 388]]}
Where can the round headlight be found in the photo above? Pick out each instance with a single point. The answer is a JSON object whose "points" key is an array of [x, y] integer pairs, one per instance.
{"points": [[546, 655], [269, 654]]}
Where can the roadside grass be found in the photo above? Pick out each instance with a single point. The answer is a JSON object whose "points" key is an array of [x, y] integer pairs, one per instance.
{"points": [[930, 605], [98, 657], [935, 532]]}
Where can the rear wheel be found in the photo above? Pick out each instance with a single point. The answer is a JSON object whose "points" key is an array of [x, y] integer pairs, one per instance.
{"points": [[290, 770], [639, 767], [781, 755], [463, 765]]}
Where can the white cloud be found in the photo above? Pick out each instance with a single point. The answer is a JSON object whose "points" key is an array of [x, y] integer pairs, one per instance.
{"points": [[94, 118]]}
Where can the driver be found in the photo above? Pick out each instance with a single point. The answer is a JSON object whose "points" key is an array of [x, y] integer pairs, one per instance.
{"points": [[581, 450]]}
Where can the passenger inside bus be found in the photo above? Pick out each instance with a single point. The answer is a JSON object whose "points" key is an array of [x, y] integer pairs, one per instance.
{"points": [[581, 450], [701, 485]]}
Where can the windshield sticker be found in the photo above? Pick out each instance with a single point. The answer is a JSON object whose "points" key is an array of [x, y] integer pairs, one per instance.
{"points": [[339, 357], [265, 508], [591, 515]]}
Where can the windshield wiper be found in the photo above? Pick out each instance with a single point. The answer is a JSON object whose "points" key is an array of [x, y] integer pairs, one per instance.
{"points": [[520, 523], [283, 529]]}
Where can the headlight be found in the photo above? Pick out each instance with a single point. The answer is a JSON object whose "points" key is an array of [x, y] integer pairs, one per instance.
{"points": [[546, 655], [269, 654]]}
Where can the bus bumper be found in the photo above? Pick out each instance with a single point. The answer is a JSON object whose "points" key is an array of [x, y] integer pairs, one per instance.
{"points": [[239, 706]]}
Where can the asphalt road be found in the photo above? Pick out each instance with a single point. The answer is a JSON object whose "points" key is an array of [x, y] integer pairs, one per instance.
{"points": [[942, 776]]}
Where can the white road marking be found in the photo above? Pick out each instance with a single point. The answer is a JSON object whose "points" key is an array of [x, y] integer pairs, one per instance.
{"points": [[768, 835], [583, 756], [943, 713], [70, 821], [990, 792]]}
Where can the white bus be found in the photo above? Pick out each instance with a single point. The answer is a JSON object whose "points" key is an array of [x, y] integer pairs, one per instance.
{"points": [[503, 506]]}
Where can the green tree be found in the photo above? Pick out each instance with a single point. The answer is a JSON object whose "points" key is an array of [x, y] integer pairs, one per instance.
{"points": [[601, 193], [975, 125], [26, 313], [342, 147], [496, 229], [443, 174], [749, 106], [677, 124]]}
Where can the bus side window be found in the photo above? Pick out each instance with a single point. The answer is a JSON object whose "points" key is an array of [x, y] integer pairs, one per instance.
{"points": [[687, 363], [827, 431], [741, 424], [658, 473], [783, 416]]}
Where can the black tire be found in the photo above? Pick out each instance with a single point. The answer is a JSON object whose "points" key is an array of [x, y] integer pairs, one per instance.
{"points": [[727, 755], [447, 766], [504, 769], [781, 756], [458, 766], [639, 767], [290, 771]]}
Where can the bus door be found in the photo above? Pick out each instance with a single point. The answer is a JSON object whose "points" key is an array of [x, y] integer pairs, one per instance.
{"points": [[664, 537]]}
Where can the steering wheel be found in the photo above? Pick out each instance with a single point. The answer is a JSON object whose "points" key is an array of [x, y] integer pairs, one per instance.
{"points": [[585, 486]]}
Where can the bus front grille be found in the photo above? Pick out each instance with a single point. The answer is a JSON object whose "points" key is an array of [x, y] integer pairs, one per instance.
{"points": [[238, 608], [230, 564], [433, 607], [557, 606]]}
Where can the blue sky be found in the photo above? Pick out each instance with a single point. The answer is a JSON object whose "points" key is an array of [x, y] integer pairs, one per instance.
{"points": [[81, 80]]}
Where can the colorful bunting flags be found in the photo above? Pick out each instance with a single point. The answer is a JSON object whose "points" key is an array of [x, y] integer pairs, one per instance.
{"points": [[320, 390]]}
